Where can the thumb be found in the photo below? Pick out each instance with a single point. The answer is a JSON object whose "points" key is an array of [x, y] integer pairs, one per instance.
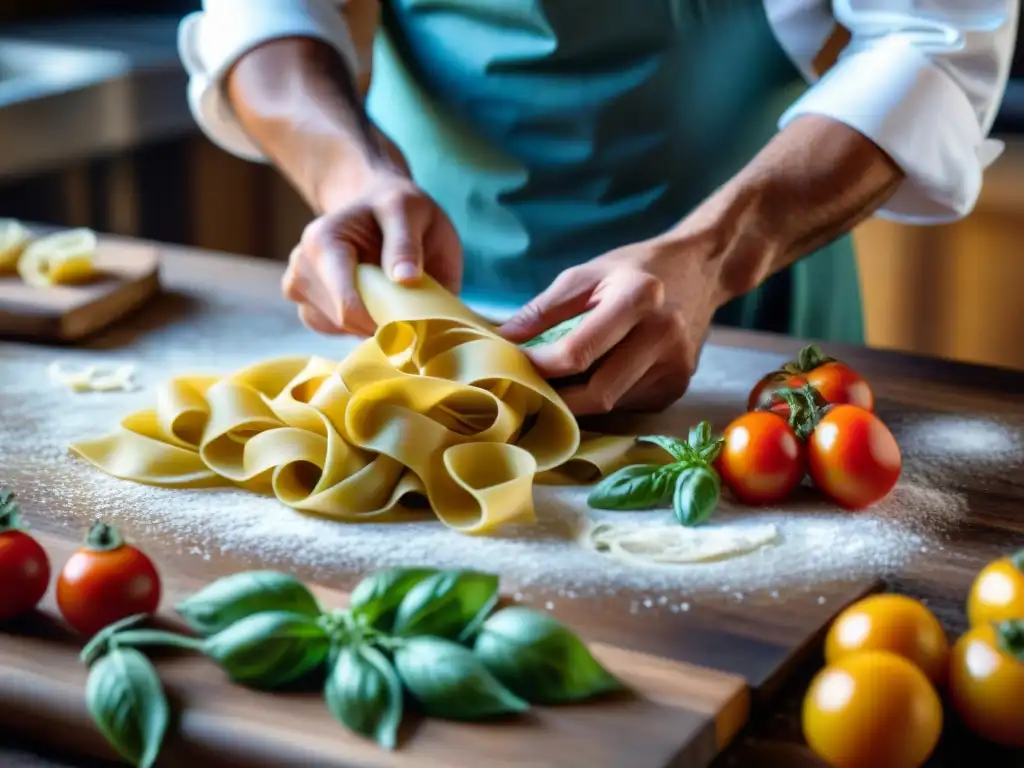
{"points": [[402, 250], [563, 300]]}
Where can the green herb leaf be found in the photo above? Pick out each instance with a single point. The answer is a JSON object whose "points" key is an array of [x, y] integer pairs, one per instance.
{"points": [[540, 660], [699, 435], [640, 486], [449, 681], [551, 335], [449, 604], [126, 700], [709, 453], [364, 694], [673, 446], [269, 650], [228, 600], [376, 598], [696, 496]]}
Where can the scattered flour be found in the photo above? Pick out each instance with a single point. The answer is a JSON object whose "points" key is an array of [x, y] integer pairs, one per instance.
{"points": [[815, 543]]}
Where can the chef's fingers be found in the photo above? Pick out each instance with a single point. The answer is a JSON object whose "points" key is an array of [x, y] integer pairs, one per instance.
{"points": [[567, 296], [443, 257], [404, 221], [622, 305], [618, 373], [313, 319], [326, 275]]}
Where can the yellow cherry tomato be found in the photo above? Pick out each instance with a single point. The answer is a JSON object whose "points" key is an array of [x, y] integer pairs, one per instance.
{"points": [[892, 623], [872, 709], [998, 591], [986, 681]]}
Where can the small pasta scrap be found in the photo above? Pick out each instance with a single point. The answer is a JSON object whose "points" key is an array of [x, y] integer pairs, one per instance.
{"points": [[14, 236], [65, 258], [94, 378]]}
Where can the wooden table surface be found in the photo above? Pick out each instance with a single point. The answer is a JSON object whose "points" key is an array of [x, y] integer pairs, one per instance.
{"points": [[994, 493]]}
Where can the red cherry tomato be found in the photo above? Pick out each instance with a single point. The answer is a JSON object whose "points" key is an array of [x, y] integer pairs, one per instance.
{"points": [[105, 581], [24, 566], [761, 394], [853, 457], [762, 460], [838, 383]]}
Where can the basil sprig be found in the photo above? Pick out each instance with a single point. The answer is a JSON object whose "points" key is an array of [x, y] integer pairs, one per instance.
{"points": [[420, 634], [689, 481]]}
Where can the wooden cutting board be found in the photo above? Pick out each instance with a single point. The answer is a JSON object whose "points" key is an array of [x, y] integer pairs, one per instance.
{"points": [[129, 276], [680, 714]]}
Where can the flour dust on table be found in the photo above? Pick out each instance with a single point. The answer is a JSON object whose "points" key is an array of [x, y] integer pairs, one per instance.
{"points": [[814, 542]]}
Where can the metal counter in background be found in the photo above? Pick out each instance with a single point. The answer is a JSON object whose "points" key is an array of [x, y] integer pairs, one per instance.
{"points": [[75, 90]]}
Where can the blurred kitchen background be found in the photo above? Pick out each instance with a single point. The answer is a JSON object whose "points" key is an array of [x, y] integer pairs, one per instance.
{"points": [[95, 131]]}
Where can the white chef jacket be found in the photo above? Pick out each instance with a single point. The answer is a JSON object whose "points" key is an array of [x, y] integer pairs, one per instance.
{"points": [[923, 79]]}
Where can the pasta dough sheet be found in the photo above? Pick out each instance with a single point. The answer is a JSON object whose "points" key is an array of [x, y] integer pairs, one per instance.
{"points": [[435, 406]]}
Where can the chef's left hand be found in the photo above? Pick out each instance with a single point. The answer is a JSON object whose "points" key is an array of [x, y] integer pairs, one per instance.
{"points": [[652, 304]]}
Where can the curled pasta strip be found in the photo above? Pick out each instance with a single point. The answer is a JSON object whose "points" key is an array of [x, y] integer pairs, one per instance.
{"points": [[436, 407]]}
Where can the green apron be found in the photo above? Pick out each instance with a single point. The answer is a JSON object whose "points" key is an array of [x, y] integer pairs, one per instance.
{"points": [[552, 131]]}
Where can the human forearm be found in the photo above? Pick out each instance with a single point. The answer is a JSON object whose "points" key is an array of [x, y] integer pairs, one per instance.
{"points": [[297, 99], [812, 183]]}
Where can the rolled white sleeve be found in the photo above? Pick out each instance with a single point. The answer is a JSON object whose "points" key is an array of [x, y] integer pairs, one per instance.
{"points": [[212, 40], [923, 79]]}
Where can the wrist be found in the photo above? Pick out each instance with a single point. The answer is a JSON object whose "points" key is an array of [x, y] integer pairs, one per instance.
{"points": [[344, 173], [732, 234]]}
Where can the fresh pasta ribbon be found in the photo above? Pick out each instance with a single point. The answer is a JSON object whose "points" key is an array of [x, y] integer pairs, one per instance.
{"points": [[435, 405]]}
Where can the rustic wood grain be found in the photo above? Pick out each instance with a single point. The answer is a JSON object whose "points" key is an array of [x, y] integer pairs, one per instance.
{"points": [[675, 713], [128, 276], [764, 644]]}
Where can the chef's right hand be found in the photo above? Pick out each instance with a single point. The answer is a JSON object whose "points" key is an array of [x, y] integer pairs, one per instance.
{"points": [[385, 220]]}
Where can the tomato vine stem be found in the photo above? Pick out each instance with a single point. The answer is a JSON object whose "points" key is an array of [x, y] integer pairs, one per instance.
{"points": [[1010, 635], [10, 511], [1017, 558], [103, 537], [806, 408]]}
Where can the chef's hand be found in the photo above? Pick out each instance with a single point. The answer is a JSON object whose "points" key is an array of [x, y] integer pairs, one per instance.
{"points": [[382, 219], [651, 307]]}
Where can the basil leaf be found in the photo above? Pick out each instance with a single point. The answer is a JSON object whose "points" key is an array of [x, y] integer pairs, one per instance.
{"points": [[553, 334], [640, 486], [376, 598], [709, 453], [227, 600], [449, 604], [540, 660], [126, 700], [699, 435], [696, 496], [450, 682], [673, 446], [269, 649], [364, 694]]}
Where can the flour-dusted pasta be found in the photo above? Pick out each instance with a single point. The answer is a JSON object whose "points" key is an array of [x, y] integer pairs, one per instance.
{"points": [[435, 405]]}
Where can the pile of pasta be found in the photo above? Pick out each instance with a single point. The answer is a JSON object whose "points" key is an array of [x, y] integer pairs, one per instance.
{"points": [[435, 411], [65, 258]]}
